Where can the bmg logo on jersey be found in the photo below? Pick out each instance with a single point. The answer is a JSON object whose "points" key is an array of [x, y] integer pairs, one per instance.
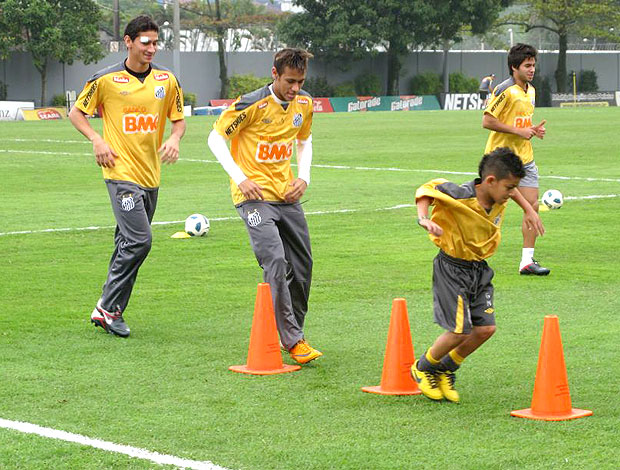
{"points": [[273, 152], [521, 122], [140, 123]]}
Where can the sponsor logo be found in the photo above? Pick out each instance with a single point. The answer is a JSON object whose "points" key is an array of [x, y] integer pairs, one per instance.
{"points": [[298, 119], [160, 76], [521, 122], [140, 123], [302, 100], [125, 93], [408, 103], [177, 99], [501, 98], [254, 218], [363, 105], [262, 105], [134, 110], [267, 121], [274, 152], [490, 310], [127, 202], [120, 79], [160, 92], [47, 114], [461, 101], [89, 95], [230, 129]]}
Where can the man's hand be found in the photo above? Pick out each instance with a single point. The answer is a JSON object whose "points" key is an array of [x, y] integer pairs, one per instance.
{"points": [[539, 130], [533, 222], [251, 190], [104, 154], [298, 188], [431, 227], [169, 150]]}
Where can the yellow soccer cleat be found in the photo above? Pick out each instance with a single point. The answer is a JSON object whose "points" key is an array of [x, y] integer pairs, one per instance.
{"points": [[446, 381], [303, 353], [427, 382]]}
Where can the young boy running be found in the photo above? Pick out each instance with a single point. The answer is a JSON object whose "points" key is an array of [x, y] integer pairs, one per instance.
{"points": [[465, 225]]}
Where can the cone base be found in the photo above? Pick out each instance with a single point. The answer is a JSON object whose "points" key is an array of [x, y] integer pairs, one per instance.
{"points": [[574, 413], [380, 391], [245, 370]]}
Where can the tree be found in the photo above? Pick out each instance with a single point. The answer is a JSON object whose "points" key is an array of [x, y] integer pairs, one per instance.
{"points": [[62, 30], [566, 17]]}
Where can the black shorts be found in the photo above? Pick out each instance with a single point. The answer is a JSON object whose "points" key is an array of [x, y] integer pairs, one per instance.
{"points": [[483, 94], [462, 293]]}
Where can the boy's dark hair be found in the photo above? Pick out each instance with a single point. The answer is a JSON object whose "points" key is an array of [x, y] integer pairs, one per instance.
{"points": [[296, 59], [500, 163], [140, 24], [518, 53]]}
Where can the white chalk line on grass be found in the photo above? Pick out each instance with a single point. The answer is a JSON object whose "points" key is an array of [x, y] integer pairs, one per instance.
{"points": [[331, 167], [135, 452]]}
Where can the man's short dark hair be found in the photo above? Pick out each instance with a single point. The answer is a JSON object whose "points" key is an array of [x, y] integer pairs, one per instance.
{"points": [[501, 163], [296, 59], [518, 53], [140, 24]]}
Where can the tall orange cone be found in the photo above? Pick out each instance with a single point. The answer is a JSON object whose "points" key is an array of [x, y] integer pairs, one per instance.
{"points": [[551, 400], [396, 377], [264, 356]]}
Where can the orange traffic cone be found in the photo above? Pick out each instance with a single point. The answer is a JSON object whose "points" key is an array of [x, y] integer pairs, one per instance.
{"points": [[551, 400], [264, 357], [396, 377]]}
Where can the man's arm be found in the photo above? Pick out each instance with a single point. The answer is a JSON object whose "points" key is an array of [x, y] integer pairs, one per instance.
{"points": [[169, 150], [492, 123], [104, 154], [531, 219], [304, 162], [423, 203]]}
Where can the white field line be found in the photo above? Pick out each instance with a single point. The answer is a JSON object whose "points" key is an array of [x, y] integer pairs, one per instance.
{"points": [[331, 167], [135, 452]]}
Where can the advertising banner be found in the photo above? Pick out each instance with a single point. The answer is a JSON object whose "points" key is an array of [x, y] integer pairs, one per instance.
{"points": [[44, 114], [226, 103], [8, 109], [322, 105], [413, 102], [384, 103], [594, 99], [460, 101]]}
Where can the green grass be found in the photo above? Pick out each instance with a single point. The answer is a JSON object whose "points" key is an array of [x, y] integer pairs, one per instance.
{"points": [[167, 388]]}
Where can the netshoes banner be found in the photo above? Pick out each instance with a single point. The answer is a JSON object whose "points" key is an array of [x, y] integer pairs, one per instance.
{"points": [[44, 114], [384, 103]]}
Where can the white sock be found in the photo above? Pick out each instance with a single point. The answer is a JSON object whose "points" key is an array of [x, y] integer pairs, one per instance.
{"points": [[526, 257]]}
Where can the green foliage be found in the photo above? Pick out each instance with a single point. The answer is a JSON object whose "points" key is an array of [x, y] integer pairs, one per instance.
{"points": [[542, 85], [345, 89], [59, 100], [240, 84], [368, 84], [426, 83], [318, 87], [3, 90], [588, 81], [460, 83], [189, 99]]}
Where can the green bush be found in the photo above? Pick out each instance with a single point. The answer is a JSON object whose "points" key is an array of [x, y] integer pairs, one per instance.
{"points": [[587, 81], [345, 89], [460, 83], [3, 91], [318, 87], [240, 84], [427, 83], [189, 99], [368, 84], [59, 100], [542, 85]]}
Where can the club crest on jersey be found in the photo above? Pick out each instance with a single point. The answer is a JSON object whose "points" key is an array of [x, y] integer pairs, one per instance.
{"points": [[497, 220], [120, 79], [254, 218], [298, 119], [160, 76], [271, 152], [127, 202], [160, 92]]}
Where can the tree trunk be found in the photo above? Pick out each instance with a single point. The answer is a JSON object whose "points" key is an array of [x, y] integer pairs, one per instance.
{"points": [[43, 71], [560, 71], [445, 73], [221, 52], [393, 68]]}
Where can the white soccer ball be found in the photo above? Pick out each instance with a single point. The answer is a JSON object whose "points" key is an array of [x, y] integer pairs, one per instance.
{"points": [[553, 199], [197, 225]]}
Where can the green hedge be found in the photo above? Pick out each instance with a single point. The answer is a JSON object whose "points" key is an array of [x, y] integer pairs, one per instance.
{"points": [[240, 84]]}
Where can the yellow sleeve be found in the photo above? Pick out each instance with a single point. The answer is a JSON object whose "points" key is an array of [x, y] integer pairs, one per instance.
{"points": [[428, 189], [231, 121], [498, 103], [90, 97], [175, 101], [306, 127]]}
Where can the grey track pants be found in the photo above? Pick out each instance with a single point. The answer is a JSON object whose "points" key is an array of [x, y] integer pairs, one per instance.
{"points": [[133, 208], [280, 240]]}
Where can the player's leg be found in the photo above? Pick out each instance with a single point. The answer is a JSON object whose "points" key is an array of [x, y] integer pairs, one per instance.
{"points": [[133, 209], [260, 220], [528, 187]]}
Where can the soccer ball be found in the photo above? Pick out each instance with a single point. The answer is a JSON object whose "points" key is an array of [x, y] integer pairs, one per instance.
{"points": [[197, 225], [553, 199]]}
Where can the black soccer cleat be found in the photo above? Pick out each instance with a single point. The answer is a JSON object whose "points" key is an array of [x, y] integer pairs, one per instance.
{"points": [[113, 323], [534, 269]]}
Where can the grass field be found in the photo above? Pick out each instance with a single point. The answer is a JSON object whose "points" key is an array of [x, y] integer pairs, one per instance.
{"points": [[167, 388]]}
